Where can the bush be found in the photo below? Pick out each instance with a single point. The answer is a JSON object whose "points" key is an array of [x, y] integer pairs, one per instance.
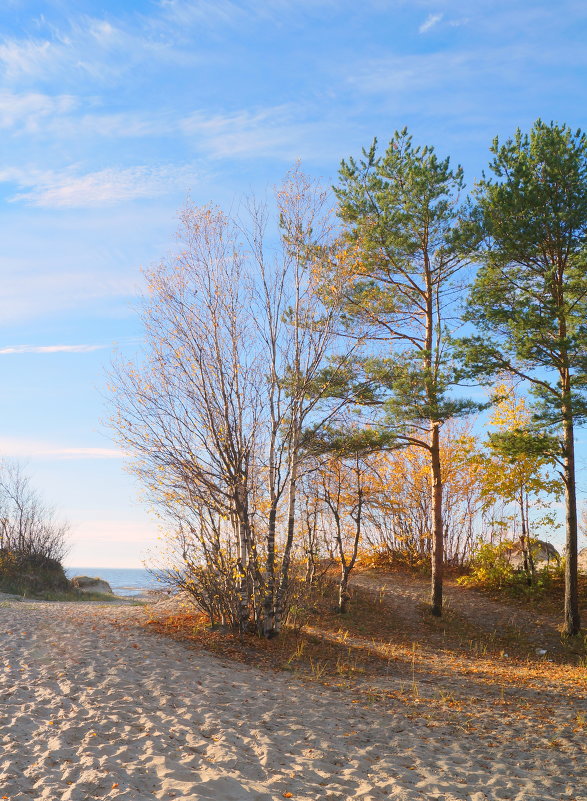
{"points": [[490, 567], [388, 558], [30, 574], [491, 570], [32, 543]]}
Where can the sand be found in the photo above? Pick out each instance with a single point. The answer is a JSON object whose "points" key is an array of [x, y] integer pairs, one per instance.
{"points": [[94, 705]]}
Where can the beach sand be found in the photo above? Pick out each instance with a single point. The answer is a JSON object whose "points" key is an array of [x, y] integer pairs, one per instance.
{"points": [[95, 705]]}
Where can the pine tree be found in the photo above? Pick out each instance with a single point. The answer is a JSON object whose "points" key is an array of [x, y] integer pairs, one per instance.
{"points": [[529, 300], [401, 211]]}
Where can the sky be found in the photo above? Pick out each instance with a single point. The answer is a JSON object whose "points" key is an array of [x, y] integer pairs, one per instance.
{"points": [[113, 114]]}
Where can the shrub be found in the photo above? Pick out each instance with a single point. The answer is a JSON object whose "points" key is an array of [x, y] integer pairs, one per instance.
{"points": [[387, 558], [30, 574], [491, 569], [32, 543]]}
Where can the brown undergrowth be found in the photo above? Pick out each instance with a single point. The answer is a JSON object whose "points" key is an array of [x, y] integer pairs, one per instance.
{"points": [[546, 596], [381, 653]]}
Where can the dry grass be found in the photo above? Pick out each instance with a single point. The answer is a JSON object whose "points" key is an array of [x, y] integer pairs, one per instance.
{"points": [[547, 599], [421, 660]]}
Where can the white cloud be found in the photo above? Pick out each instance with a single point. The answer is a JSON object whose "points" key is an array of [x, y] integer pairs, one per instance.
{"points": [[286, 132], [23, 448], [211, 13], [205, 12], [27, 57], [410, 75], [91, 48], [67, 117], [430, 22], [242, 132], [106, 187], [419, 82], [9, 349], [29, 110], [459, 22], [114, 125], [82, 453]]}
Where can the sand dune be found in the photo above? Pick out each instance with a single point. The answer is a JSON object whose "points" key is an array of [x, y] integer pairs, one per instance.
{"points": [[92, 705]]}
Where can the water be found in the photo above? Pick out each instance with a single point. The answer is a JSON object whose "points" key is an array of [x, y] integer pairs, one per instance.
{"points": [[124, 581]]}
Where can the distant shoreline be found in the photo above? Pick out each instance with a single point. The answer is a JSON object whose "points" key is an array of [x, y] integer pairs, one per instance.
{"points": [[122, 580]]}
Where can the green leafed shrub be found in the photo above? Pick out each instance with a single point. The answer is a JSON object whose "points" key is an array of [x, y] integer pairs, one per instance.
{"points": [[490, 568]]}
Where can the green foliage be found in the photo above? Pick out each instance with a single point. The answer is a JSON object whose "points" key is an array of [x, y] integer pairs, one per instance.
{"points": [[529, 298], [402, 214], [524, 442], [347, 441], [31, 574], [490, 569]]}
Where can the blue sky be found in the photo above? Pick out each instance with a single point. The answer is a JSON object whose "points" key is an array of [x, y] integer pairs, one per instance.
{"points": [[112, 113]]}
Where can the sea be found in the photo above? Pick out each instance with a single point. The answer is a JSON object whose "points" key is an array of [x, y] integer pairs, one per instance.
{"points": [[124, 581]]}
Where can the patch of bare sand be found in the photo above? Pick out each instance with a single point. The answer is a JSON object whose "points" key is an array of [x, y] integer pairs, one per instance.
{"points": [[93, 705]]}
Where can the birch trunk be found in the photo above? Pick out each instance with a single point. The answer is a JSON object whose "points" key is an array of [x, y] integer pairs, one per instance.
{"points": [[291, 520]]}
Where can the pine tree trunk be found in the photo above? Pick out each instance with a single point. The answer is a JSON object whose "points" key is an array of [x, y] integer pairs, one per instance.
{"points": [[572, 622], [437, 528]]}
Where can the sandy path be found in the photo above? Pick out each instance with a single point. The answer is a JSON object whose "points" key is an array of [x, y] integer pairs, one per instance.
{"points": [[94, 706]]}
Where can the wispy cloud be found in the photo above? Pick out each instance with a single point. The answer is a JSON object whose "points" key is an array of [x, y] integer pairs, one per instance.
{"points": [[68, 189], [91, 48], [234, 12], [190, 12], [29, 111], [23, 448], [412, 76], [430, 22], [9, 349], [27, 57], [115, 125], [82, 453], [287, 131], [68, 116]]}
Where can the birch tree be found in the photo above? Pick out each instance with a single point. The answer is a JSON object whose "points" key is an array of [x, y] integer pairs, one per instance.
{"points": [[212, 413], [189, 412], [296, 335]]}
